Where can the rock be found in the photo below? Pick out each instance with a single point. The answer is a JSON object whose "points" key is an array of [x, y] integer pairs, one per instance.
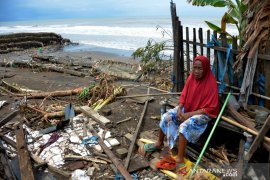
{"points": [[106, 111], [75, 165], [121, 153]]}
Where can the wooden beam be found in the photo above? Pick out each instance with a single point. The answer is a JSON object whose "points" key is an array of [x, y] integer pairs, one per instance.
{"points": [[134, 137], [259, 138], [103, 121], [23, 156]]}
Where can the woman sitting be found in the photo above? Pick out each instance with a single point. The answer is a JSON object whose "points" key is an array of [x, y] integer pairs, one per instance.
{"points": [[198, 103]]}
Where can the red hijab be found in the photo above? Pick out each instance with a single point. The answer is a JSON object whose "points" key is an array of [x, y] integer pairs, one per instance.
{"points": [[201, 93]]}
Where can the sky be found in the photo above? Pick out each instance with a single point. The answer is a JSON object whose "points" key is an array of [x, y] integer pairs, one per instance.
{"points": [[17, 10]]}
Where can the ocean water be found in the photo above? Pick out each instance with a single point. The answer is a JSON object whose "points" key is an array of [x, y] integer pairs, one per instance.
{"points": [[120, 36]]}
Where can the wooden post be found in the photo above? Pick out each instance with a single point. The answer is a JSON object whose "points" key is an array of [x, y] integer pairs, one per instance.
{"points": [[187, 51], [267, 74], [208, 40], [177, 71], [216, 57], [257, 141], [23, 156], [234, 47], [201, 40], [194, 44], [181, 59], [176, 53]]}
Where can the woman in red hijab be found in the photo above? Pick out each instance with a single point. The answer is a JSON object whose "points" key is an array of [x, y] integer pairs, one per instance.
{"points": [[198, 103]]}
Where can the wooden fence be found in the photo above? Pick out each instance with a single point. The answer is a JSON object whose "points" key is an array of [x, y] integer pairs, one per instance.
{"points": [[190, 42]]}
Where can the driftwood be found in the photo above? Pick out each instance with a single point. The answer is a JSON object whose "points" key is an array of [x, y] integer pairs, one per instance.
{"points": [[11, 87], [59, 114], [51, 94]]}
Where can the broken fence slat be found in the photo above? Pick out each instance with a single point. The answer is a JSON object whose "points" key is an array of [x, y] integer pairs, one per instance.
{"points": [[23, 156]]}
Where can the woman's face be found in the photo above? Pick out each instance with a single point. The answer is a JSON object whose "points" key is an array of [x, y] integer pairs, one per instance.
{"points": [[198, 70]]}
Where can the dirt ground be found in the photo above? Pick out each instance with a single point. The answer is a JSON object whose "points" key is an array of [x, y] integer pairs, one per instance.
{"points": [[52, 81], [121, 108]]}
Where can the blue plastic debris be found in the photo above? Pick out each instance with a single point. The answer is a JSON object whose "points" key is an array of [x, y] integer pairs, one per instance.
{"points": [[90, 140]]}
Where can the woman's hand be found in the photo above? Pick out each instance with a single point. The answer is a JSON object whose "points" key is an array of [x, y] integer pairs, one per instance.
{"points": [[180, 114], [185, 116]]}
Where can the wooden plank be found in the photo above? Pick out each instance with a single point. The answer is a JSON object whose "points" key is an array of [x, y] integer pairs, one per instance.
{"points": [[208, 40], [135, 135], [109, 153], [187, 51], [201, 40], [23, 156], [194, 44], [259, 138], [9, 117], [95, 115]]}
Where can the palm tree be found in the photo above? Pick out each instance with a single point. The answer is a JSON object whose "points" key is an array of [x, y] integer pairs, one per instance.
{"points": [[234, 15]]}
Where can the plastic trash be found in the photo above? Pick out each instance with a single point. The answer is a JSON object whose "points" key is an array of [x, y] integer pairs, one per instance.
{"points": [[233, 103], [248, 141]]}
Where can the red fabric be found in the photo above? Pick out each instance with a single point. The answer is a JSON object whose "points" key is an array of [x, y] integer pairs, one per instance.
{"points": [[201, 93], [167, 163]]}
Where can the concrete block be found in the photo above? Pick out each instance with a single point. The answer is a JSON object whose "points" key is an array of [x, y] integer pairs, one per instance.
{"points": [[113, 141], [121, 153], [129, 136]]}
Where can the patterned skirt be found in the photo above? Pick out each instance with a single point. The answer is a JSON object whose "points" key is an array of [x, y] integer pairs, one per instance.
{"points": [[191, 128]]}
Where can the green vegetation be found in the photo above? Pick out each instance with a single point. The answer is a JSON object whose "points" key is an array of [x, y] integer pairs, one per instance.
{"points": [[234, 15]]}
